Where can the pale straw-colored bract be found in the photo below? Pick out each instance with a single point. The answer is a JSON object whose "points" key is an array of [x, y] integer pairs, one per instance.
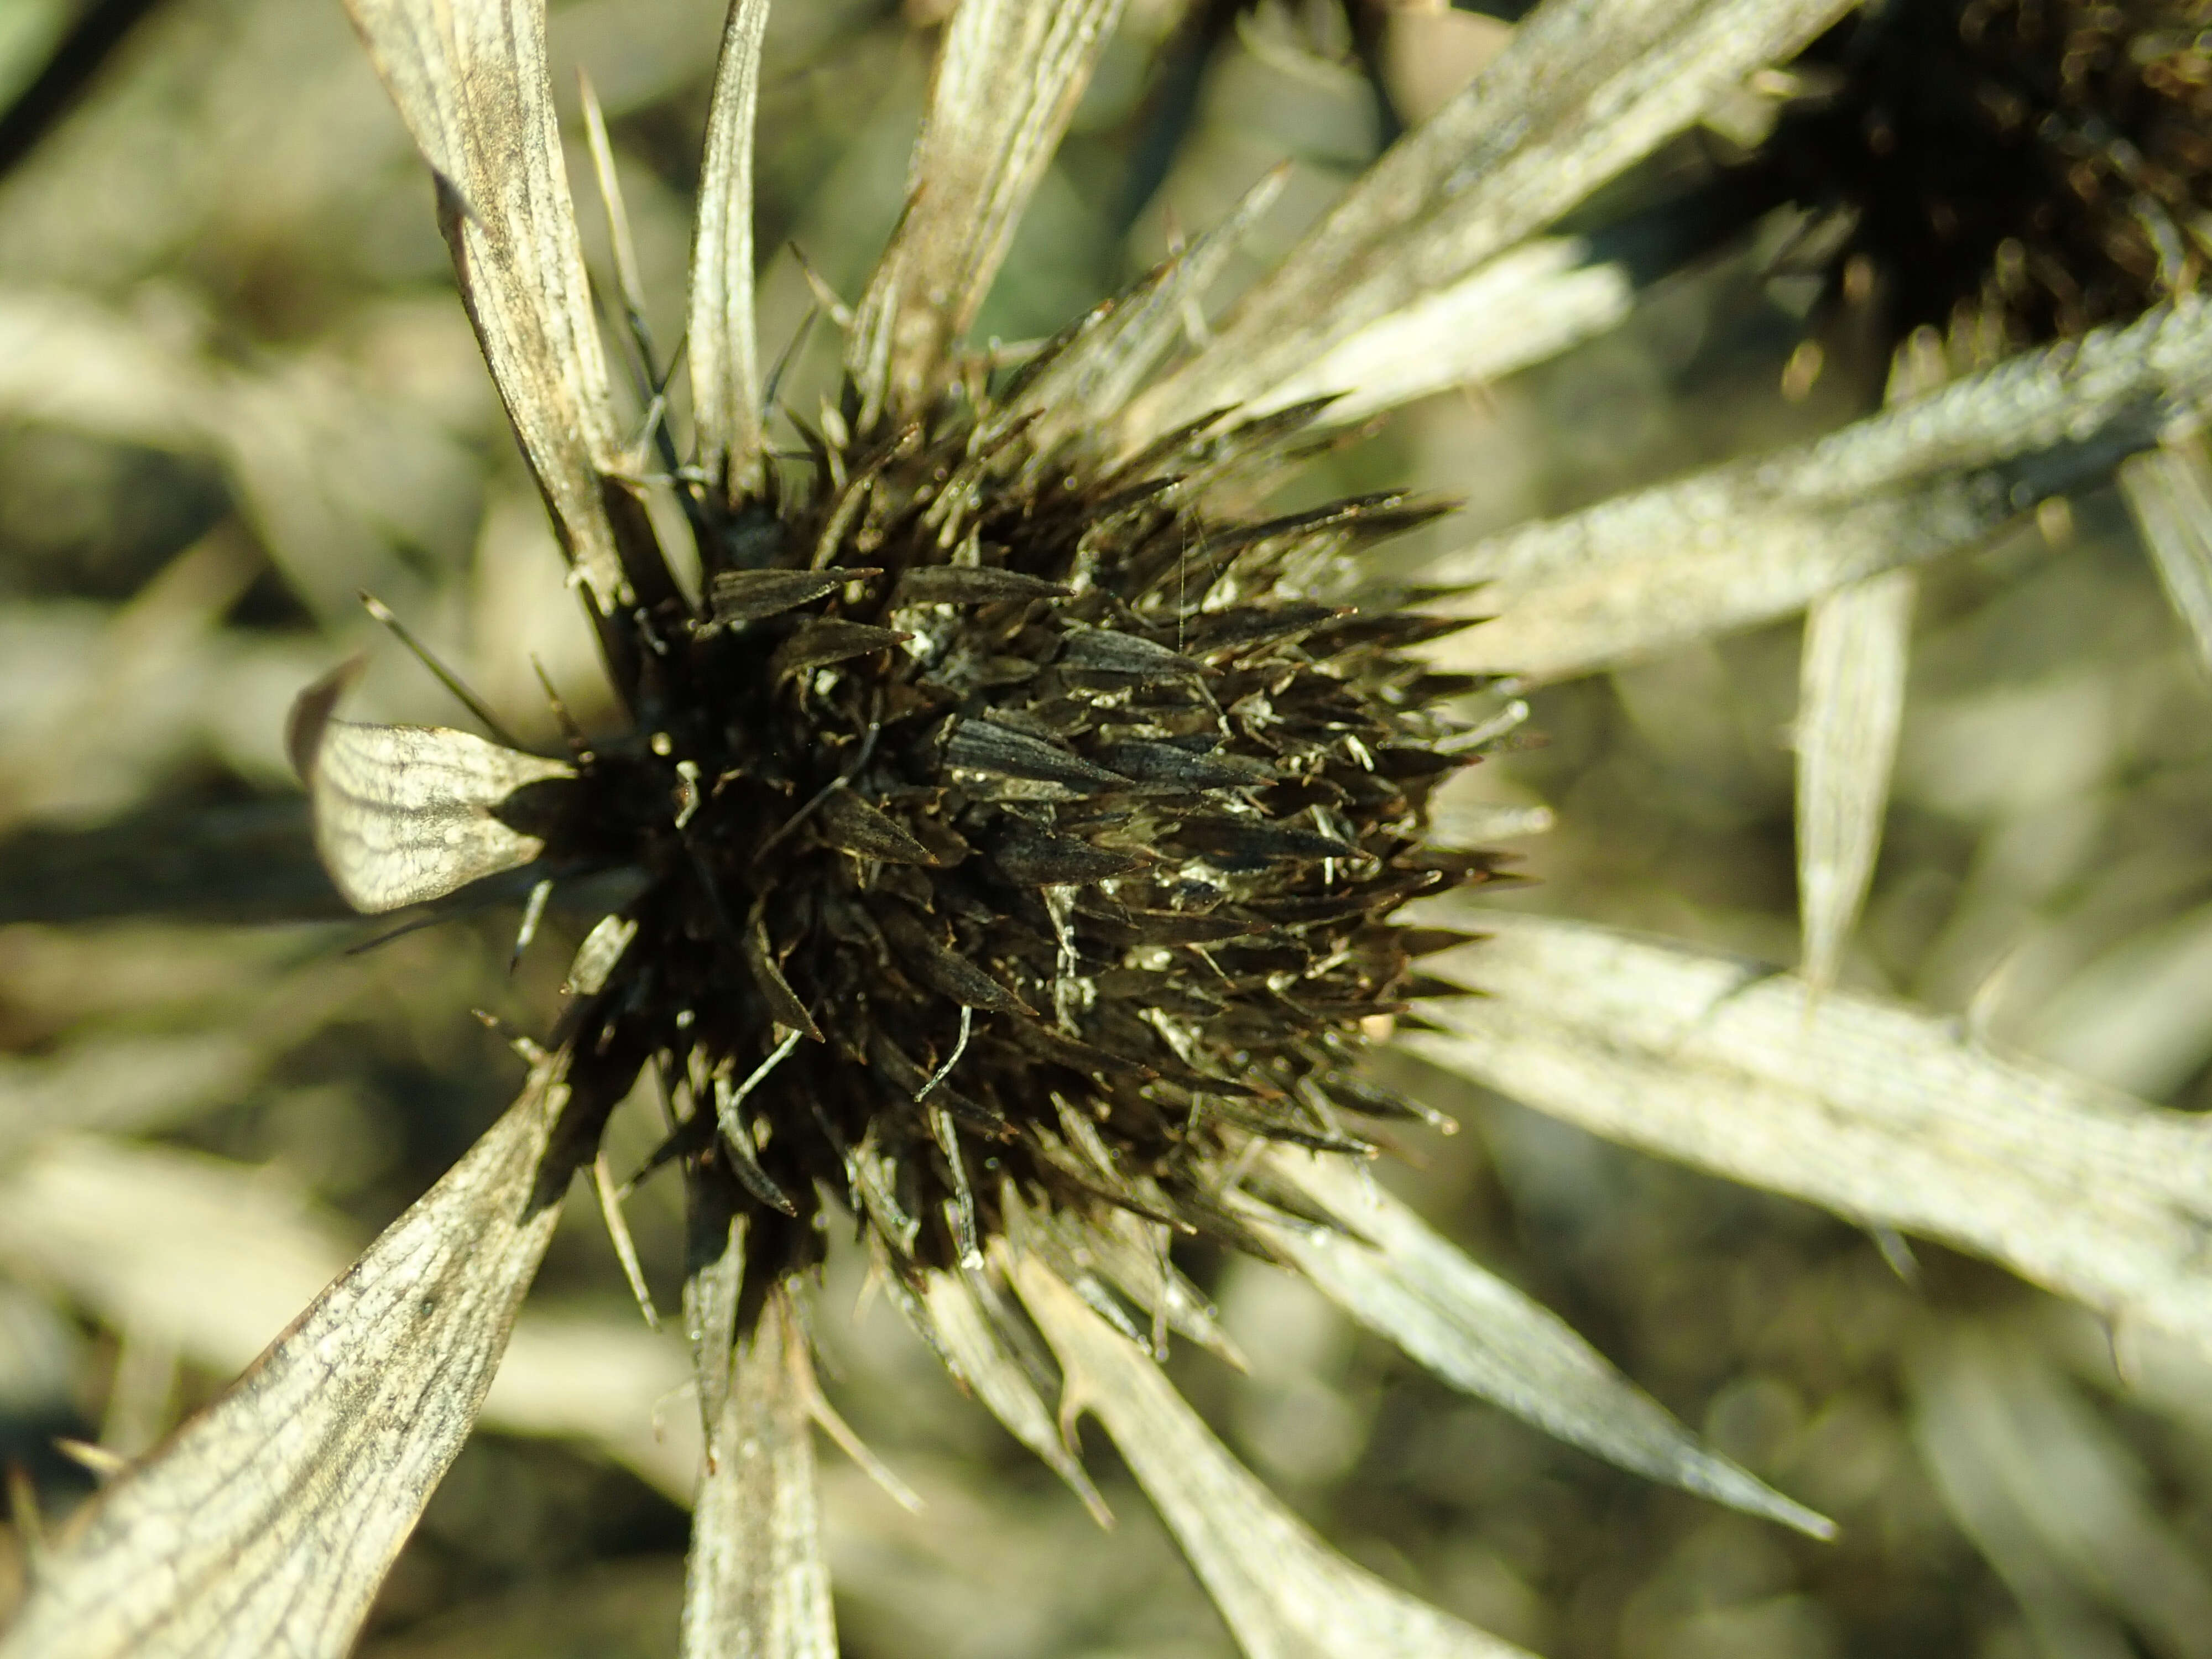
{"points": [[266, 1524]]}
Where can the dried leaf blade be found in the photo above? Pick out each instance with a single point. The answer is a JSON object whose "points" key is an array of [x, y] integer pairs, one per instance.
{"points": [[721, 340], [1851, 704], [756, 1584], [1285, 1593], [1888, 1116], [1008, 77], [403, 814], [1481, 1334], [266, 1523], [470, 81]]}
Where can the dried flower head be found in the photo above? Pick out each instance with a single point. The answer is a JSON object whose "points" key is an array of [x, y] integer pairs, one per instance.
{"points": [[1015, 831], [2041, 163], [1025, 817]]}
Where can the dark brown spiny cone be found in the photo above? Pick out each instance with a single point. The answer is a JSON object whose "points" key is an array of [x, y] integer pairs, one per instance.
{"points": [[1014, 827], [2042, 164]]}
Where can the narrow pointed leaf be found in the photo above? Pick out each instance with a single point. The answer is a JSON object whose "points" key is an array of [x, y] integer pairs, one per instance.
{"points": [[724, 355], [217, 1258], [1526, 305], [1008, 77], [1887, 1116], [756, 1586], [1851, 702], [470, 81], [1481, 1334], [403, 814], [1755, 539], [979, 1359], [1103, 367], [2169, 492], [266, 1524], [1284, 1593], [714, 1277], [1583, 89]]}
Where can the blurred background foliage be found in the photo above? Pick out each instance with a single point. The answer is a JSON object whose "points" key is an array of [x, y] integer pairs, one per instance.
{"points": [[235, 390]]}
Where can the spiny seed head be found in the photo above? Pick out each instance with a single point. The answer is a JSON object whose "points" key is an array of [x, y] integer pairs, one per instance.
{"points": [[2045, 164], [1017, 832]]}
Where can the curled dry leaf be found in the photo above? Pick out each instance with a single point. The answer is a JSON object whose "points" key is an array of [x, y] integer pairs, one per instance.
{"points": [[265, 1524], [1480, 1333], [1888, 1116], [1755, 539], [1850, 702], [1285, 1593]]}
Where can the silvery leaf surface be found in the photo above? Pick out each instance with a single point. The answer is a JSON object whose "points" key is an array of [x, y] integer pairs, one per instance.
{"points": [[1530, 303], [215, 1258], [1888, 1116], [1284, 1593], [1402, 1280], [1583, 89], [1851, 703], [1751, 540], [1009, 75], [720, 339], [756, 1587], [403, 814], [470, 81], [265, 1525]]}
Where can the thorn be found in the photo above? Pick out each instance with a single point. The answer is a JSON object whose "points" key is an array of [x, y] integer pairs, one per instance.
{"points": [[103, 1463], [625, 1246], [516, 1038], [401, 931], [2123, 1335], [852, 1446], [382, 613], [569, 730], [967, 1025], [791, 348], [534, 912], [961, 1206], [825, 296], [1984, 1005], [1897, 1250]]}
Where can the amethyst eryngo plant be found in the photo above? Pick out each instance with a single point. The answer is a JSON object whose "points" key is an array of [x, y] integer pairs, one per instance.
{"points": [[1029, 831], [1020, 819]]}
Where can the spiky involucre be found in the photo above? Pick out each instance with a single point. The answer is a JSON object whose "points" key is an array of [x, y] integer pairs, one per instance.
{"points": [[1015, 831]]}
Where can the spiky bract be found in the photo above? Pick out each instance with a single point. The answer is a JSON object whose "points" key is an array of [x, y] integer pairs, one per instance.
{"points": [[1018, 830]]}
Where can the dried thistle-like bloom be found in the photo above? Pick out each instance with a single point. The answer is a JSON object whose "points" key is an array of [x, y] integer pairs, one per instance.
{"points": [[2044, 166], [1025, 823]]}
